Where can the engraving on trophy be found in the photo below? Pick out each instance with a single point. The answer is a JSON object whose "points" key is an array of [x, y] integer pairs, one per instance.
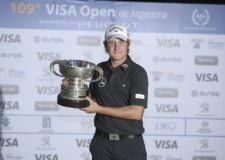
{"points": [[77, 73]]}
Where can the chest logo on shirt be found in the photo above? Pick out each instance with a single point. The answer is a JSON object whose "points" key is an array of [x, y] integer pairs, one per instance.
{"points": [[102, 83]]}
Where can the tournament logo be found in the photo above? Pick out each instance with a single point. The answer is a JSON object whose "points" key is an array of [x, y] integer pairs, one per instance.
{"points": [[200, 18]]}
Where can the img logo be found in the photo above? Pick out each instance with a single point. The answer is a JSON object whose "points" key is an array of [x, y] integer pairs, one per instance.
{"points": [[200, 18]]}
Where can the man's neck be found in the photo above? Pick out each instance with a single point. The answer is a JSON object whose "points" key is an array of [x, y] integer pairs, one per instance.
{"points": [[117, 63]]}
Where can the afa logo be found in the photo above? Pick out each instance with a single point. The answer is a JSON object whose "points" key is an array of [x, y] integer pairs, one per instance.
{"points": [[200, 18]]}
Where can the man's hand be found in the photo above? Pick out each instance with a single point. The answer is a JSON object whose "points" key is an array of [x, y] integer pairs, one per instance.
{"points": [[93, 107]]}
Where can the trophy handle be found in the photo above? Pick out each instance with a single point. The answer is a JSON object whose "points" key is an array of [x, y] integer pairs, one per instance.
{"points": [[53, 63], [100, 71]]}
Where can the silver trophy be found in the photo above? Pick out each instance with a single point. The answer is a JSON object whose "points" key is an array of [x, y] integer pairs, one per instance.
{"points": [[76, 73]]}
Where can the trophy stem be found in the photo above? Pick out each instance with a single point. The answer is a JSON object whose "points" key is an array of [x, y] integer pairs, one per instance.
{"points": [[72, 103]]}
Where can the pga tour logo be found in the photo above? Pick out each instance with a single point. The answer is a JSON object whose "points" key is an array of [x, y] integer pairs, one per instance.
{"points": [[200, 18]]}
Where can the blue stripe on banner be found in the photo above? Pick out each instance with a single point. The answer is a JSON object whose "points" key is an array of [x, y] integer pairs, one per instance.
{"points": [[96, 16]]}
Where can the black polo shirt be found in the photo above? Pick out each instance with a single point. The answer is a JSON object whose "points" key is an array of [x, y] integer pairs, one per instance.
{"points": [[126, 85]]}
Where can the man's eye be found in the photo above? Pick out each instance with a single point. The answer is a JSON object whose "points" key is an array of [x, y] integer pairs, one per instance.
{"points": [[110, 43]]}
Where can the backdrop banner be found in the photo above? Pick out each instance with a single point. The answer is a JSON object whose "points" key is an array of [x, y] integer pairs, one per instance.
{"points": [[181, 46]]}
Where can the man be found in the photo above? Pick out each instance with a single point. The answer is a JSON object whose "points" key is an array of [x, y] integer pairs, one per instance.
{"points": [[118, 100]]}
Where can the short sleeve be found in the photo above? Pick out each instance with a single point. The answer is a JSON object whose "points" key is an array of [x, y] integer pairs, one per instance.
{"points": [[139, 88]]}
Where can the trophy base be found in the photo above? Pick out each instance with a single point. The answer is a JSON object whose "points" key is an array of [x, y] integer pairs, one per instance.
{"points": [[72, 103]]}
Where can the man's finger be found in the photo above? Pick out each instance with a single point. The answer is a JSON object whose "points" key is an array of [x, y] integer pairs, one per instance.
{"points": [[88, 98]]}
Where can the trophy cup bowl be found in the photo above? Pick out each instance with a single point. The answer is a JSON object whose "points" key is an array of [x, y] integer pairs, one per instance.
{"points": [[76, 74]]}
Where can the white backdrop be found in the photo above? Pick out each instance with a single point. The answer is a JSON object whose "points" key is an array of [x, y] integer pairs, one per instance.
{"points": [[181, 46]]}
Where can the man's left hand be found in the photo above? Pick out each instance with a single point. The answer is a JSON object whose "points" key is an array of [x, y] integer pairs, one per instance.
{"points": [[93, 106]]}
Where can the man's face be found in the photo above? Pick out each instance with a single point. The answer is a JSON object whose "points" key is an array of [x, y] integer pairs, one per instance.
{"points": [[117, 48]]}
